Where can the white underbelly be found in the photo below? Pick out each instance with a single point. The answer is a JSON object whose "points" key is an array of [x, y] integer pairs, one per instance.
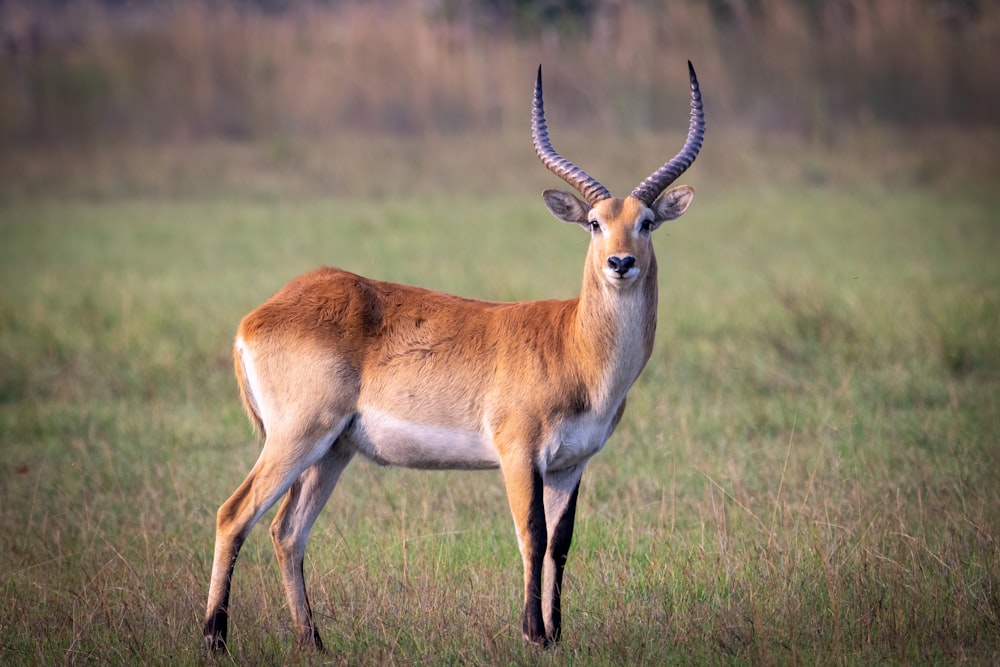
{"points": [[391, 440]]}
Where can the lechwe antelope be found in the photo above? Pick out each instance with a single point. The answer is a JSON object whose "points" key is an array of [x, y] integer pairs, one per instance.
{"points": [[335, 365]]}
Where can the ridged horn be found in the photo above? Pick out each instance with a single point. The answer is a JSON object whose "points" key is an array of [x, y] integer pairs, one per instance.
{"points": [[587, 186], [650, 189]]}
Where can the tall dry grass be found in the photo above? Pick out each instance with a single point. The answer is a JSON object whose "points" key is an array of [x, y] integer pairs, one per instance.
{"points": [[86, 72]]}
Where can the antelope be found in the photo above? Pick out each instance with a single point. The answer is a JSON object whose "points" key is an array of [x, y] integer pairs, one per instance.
{"points": [[335, 365]]}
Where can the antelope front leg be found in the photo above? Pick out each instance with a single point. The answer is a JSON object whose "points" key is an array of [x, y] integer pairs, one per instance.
{"points": [[561, 489], [525, 495]]}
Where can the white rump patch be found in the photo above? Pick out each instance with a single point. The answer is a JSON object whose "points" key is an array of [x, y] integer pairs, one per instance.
{"points": [[255, 392]]}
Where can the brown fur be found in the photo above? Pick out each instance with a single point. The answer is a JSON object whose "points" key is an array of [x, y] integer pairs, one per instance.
{"points": [[335, 364]]}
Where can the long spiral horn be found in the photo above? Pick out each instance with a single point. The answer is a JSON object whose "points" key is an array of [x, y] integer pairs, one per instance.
{"points": [[650, 189], [588, 186]]}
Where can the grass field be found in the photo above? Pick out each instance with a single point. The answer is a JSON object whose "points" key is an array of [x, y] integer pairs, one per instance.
{"points": [[808, 472]]}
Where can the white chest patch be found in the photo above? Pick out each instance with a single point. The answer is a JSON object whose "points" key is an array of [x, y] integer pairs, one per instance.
{"points": [[575, 442]]}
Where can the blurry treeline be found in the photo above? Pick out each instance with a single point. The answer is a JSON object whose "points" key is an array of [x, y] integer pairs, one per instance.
{"points": [[86, 72]]}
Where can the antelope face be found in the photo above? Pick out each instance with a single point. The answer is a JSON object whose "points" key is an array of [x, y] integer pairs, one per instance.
{"points": [[621, 247]]}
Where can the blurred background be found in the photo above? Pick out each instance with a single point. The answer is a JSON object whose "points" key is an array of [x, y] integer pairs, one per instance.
{"points": [[808, 470], [118, 96]]}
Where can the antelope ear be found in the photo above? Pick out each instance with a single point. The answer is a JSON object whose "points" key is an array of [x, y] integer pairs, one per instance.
{"points": [[566, 207], [672, 204]]}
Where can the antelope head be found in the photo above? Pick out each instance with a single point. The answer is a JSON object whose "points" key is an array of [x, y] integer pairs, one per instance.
{"points": [[621, 249]]}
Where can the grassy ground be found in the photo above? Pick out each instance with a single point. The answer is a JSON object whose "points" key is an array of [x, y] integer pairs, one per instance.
{"points": [[808, 471]]}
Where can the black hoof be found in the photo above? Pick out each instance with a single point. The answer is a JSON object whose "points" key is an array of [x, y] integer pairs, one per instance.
{"points": [[541, 642], [214, 644], [215, 633]]}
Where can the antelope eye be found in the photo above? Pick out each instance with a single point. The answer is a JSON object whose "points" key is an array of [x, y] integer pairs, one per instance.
{"points": [[595, 226], [646, 226]]}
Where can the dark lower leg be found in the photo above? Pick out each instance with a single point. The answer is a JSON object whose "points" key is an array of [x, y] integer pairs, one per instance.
{"points": [[216, 628], [533, 624], [561, 537]]}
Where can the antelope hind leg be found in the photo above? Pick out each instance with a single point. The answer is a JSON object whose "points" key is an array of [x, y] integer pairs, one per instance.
{"points": [[290, 534]]}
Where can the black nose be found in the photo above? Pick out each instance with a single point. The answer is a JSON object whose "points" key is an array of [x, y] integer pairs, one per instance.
{"points": [[621, 265]]}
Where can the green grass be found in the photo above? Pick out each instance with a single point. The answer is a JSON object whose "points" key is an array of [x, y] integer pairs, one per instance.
{"points": [[808, 471]]}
